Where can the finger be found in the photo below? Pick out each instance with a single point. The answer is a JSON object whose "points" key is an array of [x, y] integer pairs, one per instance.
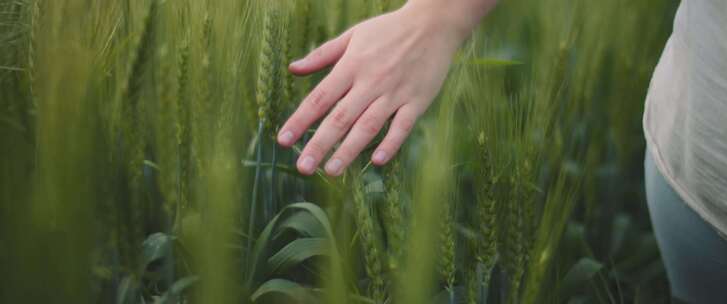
{"points": [[363, 131], [315, 105], [325, 55], [400, 128], [333, 127]]}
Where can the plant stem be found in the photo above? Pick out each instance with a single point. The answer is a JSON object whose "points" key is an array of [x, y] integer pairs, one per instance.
{"points": [[273, 181], [253, 201]]}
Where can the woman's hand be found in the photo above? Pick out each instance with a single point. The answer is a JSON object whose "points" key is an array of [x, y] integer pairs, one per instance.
{"points": [[390, 65]]}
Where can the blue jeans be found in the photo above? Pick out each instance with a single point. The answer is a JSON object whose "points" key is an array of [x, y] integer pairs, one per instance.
{"points": [[694, 254]]}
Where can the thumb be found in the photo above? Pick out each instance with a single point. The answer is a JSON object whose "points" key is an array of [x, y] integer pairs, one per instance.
{"points": [[325, 55]]}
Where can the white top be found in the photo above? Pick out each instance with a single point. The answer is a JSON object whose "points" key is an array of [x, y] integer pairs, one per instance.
{"points": [[685, 119]]}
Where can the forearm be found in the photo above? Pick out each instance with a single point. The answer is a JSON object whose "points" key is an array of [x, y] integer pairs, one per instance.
{"points": [[463, 15]]}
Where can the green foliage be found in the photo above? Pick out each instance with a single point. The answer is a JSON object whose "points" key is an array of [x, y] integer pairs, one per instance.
{"points": [[138, 165]]}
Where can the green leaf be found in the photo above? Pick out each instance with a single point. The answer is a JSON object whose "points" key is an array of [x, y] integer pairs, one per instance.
{"points": [[317, 212], [582, 272], [263, 242], [261, 247], [156, 246], [151, 164], [11, 68], [290, 289], [296, 252], [302, 223], [176, 290]]}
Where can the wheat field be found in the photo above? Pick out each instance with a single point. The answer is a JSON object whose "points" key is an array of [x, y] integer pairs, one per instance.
{"points": [[139, 163]]}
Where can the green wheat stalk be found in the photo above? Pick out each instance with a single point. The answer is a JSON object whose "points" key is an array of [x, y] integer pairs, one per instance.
{"points": [[184, 136], [448, 267], [134, 141], [486, 212], [393, 216], [265, 93], [168, 126], [369, 241], [472, 285], [514, 251]]}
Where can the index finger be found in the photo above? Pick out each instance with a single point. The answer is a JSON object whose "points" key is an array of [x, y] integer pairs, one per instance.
{"points": [[318, 102]]}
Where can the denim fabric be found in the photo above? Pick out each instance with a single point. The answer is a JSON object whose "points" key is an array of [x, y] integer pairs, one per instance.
{"points": [[694, 254]]}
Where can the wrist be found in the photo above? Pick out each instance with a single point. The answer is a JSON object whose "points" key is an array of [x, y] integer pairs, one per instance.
{"points": [[461, 17]]}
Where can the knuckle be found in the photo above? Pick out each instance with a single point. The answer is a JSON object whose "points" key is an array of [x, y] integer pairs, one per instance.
{"points": [[370, 126], [340, 119], [405, 124], [317, 98]]}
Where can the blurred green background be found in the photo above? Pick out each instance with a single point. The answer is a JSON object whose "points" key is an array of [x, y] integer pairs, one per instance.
{"points": [[138, 162]]}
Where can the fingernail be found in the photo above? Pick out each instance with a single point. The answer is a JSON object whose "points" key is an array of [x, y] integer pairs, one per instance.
{"points": [[380, 157], [334, 167], [286, 138], [306, 165]]}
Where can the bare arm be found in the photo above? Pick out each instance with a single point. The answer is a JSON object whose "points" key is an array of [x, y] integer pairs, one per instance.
{"points": [[390, 65]]}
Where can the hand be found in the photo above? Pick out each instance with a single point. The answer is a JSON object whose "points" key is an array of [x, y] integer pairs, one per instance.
{"points": [[390, 65]]}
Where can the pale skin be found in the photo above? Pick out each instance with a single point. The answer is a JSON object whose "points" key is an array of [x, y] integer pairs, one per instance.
{"points": [[392, 65]]}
